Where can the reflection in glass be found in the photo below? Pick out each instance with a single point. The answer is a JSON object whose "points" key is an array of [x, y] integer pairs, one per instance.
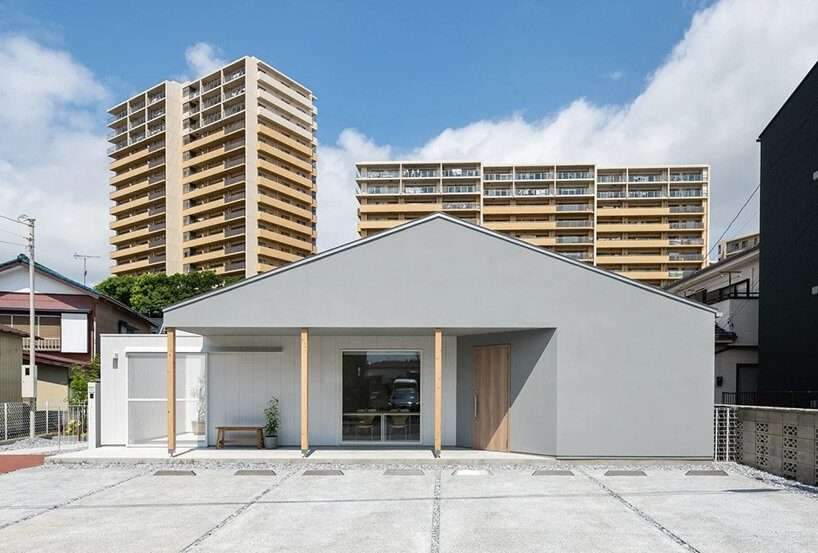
{"points": [[381, 396]]}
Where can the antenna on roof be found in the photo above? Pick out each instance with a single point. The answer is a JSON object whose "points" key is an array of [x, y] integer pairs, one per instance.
{"points": [[85, 259]]}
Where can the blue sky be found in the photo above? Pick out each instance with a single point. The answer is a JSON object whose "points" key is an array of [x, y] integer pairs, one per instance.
{"points": [[615, 83], [397, 71]]}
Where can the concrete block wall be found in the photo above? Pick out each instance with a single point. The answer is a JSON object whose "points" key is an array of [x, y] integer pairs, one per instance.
{"points": [[780, 441]]}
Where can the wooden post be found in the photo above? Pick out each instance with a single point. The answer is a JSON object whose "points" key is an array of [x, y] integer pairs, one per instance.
{"points": [[305, 391], [171, 385], [438, 389]]}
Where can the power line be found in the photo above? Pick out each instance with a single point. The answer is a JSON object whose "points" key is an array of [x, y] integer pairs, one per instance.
{"points": [[13, 243], [13, 220], [753, 193]]}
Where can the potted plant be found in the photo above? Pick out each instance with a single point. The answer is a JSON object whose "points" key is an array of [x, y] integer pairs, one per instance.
{"points": [[272, 419]]}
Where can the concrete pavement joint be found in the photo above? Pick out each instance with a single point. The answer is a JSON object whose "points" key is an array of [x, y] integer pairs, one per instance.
{"points": [[643, 515], [72, 500], [238, 512], [436, 515]]}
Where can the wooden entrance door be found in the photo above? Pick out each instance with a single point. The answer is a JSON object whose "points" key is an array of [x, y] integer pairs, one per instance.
{"points": [[491, 368]]}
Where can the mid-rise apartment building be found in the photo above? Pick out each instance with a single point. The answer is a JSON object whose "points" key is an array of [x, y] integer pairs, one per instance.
{"points": [[649, 223], [214, 174]]}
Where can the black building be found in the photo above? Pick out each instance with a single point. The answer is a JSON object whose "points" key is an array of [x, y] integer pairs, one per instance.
{"points": [[788, 304]]}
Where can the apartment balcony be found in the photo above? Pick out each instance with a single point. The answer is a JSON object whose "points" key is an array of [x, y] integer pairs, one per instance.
{"points": [[233, 146], [541, 240], [574, 191], [677, 274], [602, 243], [216, 170], [271, 133], [645, 194], [570, 223], [636, 179], [380, 190], [653, 259], [575, 175], [304, 165], [135, 156], [648, 211], [460, 189], [376, 174], [421, 190], [283, 122], [219, 220], [130, 251], [231, 199], [285, 173], [686, 193], [498, 176], [632, 227], [135, 266], [234, 182], [461, 206], [304, 118], [155, 114], [283, 188], [273, 253], [233, 130], [421, 174], [610, 194], [574, 207], [451, 173], [540, 192], [214, 254], [687, 177], [506, 226], [303, 212], [608, 179], [534, 176], [42, 344], [137, 171], [286, 240], [305, 229], [402, 208], [687, 225], [577, 256], [367, 225], [142, 217], [523, 209], [156, 98], [575, 240], [137, 202], [291, 93], [685, 258], [213, 238], [643, 275], [498, 192]]}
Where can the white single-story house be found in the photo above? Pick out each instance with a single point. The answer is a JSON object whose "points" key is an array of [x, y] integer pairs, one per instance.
{"points": [[437, 333]]}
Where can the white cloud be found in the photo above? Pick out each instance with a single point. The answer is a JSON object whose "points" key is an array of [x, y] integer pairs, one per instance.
{"points": [[203, 58], [616, 75], [707, 102], [53, 164]]}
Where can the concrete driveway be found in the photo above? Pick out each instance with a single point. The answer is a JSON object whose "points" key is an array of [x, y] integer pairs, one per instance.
{"points": [[508, 509]]}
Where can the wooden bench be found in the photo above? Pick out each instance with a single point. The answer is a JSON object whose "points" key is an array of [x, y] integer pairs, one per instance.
{"points": [[259, 430]]}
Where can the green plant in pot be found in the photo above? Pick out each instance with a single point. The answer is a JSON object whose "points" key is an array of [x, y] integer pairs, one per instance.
{"points": [[272, 418]]}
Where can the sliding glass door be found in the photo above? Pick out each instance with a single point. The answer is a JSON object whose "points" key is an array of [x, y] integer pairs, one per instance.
{"points": [[381, 396]]}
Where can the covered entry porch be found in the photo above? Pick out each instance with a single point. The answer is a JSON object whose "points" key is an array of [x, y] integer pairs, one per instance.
{"points": [[348, 388]]}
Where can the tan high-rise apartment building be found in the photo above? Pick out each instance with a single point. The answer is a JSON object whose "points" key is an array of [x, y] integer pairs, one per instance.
{"points": [[214, 174], [649, 223]]}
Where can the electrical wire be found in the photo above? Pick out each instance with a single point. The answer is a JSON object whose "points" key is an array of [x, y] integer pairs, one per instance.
{"points": [[750, 197]]}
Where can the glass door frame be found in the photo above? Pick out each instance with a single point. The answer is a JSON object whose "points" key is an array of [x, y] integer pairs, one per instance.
{"points": [[382, 415]]}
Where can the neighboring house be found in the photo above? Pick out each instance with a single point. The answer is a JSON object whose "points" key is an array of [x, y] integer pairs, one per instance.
{"points": [[69, 318], [731, 286], [11, 361], [733, 246], [435, 333], [788, 307]]}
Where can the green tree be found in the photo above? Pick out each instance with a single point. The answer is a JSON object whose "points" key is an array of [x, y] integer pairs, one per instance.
{"points": [[150, 293], [81, 375]]}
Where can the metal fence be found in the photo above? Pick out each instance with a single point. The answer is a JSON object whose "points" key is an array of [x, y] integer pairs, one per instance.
{"points": [[66, 423], [725, 433], [803, 399]]}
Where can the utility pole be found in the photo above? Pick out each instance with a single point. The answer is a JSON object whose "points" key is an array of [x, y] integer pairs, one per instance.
{"points": [[85, 259], [32, 345]]}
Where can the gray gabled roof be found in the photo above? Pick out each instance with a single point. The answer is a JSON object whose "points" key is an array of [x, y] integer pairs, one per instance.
{"points": [[476, 228]]}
